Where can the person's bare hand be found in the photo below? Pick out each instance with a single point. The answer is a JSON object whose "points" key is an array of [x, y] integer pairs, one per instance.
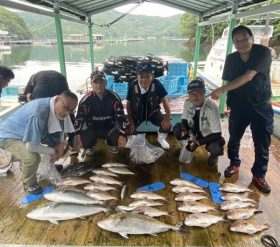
{"points": [[121, 141]]}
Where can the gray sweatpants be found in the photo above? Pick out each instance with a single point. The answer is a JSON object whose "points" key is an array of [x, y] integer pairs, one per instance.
{"points": [[30, 160]]}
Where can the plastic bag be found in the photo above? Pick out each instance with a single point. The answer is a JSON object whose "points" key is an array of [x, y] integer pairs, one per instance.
{"points": [[143, 152], [5, 162], [47, 170]]}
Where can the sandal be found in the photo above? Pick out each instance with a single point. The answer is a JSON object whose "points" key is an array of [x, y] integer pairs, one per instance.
{"points": [[34, 189]]}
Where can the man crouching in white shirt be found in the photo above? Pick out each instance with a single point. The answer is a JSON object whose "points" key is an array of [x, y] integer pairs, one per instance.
{"points": [[200, 124]]}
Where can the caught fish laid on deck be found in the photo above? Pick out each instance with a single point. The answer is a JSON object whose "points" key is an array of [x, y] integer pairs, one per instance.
{"points": [[246, 227], [107, 165], [234, 188], [227, 205], [180, 181], [237, 197], [130, 223], [150, 211], [101, 195], [54, 212], [77, 169], [120, 170], [143, 194], [105, 180], [105, 172], [72, 181], [188, 196], [184, 188], [241, 213], [202, 219], [123, 192], [100, 186], [70, 196], [195, 207], [145, 202]]}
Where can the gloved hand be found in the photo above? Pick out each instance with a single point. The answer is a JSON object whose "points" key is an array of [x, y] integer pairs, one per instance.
{"points": [[192, 146]]}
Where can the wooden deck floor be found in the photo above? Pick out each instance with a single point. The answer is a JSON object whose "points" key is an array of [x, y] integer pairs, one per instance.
{"points": [[15, 228]]}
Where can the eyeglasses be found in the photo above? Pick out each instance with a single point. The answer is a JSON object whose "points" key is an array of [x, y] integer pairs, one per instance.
{"points": [[66, 108]]}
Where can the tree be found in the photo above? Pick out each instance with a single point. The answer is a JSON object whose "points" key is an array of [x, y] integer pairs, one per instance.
{"points": [[11, 22]]}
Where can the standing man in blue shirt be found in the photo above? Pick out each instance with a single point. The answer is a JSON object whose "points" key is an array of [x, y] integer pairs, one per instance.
{"points": [[42, 121]]}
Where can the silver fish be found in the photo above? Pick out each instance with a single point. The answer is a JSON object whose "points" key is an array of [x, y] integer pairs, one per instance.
{"points": [[234, 188], [54, 212], [246, 227], [202, 219], [99, 186], [107, 165], [145, 202], [126, 208], [195, 207], [120, 170], [101, 195], [237, 197], [123, 192], [105, 172], [142, 194], [150, 211], [105, 180], [130, 223], [180, 181], [236, 204], [241, 213], [70, 196], [73, 181], [188, 196], [184, 188]]}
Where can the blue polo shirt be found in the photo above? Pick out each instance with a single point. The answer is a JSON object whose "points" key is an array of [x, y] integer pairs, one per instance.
{"points": [[30, 124]]}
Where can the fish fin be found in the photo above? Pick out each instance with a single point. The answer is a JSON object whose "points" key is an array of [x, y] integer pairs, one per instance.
{"points": [[53, 221], [123, 234], [258, 212]]}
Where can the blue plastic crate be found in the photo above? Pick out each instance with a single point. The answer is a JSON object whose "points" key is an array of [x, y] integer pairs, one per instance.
{"points": [[120, 88], [110, 81], [173, 84], [10, 91], [178, 68]]}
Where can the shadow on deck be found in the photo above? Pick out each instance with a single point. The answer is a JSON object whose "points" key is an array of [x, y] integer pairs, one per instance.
{"points": [[15, 228]]}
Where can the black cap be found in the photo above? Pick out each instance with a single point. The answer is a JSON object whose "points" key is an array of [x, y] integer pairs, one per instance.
{"points": [[98, 75], [196, 85], [144, 68]]}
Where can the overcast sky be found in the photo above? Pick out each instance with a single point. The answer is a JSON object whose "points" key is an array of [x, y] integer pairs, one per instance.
{"points": [[150, 9]]}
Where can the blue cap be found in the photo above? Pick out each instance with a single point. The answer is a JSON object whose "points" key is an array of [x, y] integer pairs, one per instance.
{"points": [[144, 68]]}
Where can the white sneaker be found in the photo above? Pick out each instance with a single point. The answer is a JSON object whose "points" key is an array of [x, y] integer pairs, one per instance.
{"points": [[164, 144]]}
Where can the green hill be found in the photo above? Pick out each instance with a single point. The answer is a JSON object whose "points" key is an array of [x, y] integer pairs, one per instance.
{"points": [[129, 26]]}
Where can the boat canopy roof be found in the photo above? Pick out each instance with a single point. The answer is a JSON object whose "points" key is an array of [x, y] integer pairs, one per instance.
{"points": [[86, 8]]}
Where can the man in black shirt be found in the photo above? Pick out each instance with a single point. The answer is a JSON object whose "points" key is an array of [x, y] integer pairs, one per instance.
{"points": [[143, 104], [6, 75], [98, 113], [249, 92], [46, 83]]}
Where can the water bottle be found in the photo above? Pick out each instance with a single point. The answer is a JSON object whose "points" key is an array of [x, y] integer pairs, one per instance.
{"points": [[186, 156]]}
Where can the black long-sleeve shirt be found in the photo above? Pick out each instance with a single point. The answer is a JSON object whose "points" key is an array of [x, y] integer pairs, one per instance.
{"points": [[100, 113]]}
